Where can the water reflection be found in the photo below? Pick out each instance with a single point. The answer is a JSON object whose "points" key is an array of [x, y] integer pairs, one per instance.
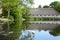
{"points": [[42, 26], [13, 31], [55, 32], [29, 31], [26, 35], [41, 32], [38, 35]]}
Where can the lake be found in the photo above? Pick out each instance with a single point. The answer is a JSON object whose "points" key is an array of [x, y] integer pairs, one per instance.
{"points": [[41, 32], [33, 32]]}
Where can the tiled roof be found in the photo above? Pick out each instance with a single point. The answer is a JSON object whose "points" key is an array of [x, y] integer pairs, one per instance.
{"points": [[43, 11]]}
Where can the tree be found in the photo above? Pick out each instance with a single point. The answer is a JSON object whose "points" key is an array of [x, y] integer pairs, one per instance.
{"points": [[39, 6], [0, 3], [57, 7], [46, 6], [55, 32], [7, 5], [52, 5], [15, 9]]}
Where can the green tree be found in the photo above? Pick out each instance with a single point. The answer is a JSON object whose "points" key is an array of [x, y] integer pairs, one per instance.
{"points": [[8, 4], [39, 6], [16, 9], [52, 5], [0, 4], [55, 32], [46, 6], [57, 7]]}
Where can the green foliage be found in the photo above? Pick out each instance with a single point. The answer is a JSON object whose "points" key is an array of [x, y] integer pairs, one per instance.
{"points": [[17, 10], [5, 12], [56, 31], [26, 13], [1, 21], [53, 4], [10, 3], [46, 6], [39, 6], [0, 3], [57, 7]]}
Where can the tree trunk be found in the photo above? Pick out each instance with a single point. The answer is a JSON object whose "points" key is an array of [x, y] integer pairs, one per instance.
{"points": [[8, 18]]}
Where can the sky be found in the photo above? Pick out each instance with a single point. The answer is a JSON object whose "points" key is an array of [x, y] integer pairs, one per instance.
{"points": [[42, 2]]}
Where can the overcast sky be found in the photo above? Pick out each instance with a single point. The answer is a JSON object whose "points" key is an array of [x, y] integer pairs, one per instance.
{"points": [[42, 2]]}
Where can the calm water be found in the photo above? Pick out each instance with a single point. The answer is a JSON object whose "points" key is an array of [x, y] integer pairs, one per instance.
{"points": [[41, 32], [32, 32], [37, 35]]}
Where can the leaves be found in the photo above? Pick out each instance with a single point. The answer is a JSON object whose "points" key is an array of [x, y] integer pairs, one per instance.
{"points": [[53, 4], [46, 6], [10, 3], [57, 7], [18, 10]]}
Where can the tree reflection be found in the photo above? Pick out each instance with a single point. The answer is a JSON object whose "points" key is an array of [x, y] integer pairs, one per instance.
{"points": [[25, 24], [55, 32], [15, 29], [27, 35]]}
